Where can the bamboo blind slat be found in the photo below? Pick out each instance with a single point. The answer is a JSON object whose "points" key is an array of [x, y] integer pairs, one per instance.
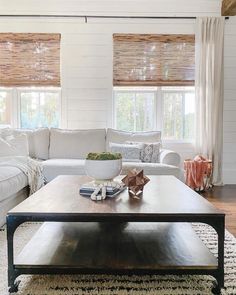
{"points": [[153, 60], [29, 59]]}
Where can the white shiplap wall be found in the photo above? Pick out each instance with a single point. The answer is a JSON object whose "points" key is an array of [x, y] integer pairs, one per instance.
{"points": [[86, 55], [229, 162], [112, 7], [86, 63]]}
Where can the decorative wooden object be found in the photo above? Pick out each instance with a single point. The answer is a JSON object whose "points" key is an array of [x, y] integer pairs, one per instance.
{"points": [[135, 181], [228, 7]]}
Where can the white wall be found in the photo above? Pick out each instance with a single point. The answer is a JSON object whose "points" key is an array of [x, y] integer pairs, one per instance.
{"points": [[229, 163], [86, 63], [86, 55], [112, 7]]}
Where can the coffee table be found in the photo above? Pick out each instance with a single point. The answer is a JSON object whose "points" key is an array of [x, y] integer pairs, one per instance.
{"points": [[120, 235]]}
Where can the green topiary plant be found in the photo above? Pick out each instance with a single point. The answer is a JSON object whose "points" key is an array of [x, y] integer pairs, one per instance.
{"points": [[104, 156]]}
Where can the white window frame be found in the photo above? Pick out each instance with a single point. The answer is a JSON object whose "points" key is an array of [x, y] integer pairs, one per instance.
{"points": [[15, 96], [158, 103], [10, 91]]}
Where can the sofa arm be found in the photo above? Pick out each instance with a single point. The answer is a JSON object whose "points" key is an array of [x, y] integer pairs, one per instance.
{"points": [[170, 158]]}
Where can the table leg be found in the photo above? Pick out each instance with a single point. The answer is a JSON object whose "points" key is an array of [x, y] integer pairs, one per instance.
{"points": [[12, 224], [220, 229]]}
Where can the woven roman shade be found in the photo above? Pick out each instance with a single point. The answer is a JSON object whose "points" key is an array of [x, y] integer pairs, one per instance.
{"points": [[153, 60], [29, 59]]}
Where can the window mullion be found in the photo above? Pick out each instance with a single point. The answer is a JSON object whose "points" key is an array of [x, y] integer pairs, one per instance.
{"points": [[114, 110], [159, 113], [183, 115], [135, 112], [39, 106], [15, 108]]}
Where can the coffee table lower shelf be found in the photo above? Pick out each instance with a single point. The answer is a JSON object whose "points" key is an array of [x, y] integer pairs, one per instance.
{"points": [[132, 248]]}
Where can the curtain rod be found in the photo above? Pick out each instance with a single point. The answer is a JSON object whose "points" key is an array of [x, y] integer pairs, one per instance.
{"points": [[86, 17]]}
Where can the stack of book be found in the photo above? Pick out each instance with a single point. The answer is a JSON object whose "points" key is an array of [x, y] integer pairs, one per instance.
{"points": [[111, 191]]}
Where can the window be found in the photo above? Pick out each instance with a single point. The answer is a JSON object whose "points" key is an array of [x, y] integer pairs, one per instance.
{"points": [[134, 110], [39, 108], [30, 107], [30, 80], [170, 109], [178, 109], [5, 108], [153, 79]]}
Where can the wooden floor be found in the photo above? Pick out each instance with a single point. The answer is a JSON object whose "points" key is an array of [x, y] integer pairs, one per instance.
{"points": [[224, 198]]}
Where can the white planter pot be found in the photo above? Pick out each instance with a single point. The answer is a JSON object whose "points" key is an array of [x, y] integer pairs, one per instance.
{"points": [[102, 170]]}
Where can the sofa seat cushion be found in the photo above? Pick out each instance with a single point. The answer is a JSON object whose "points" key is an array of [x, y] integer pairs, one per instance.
{"points": [[54, 167], [12, 180], [153, 168]]}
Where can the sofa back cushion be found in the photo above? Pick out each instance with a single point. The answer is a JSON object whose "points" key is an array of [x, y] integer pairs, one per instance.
{"points": [[118, 136], [38, 140], [14, 146], [76, 144]]}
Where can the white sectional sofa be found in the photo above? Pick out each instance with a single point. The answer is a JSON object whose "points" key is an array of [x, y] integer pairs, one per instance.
{"points": [[63, 152], [13, 182], [13, 189]]}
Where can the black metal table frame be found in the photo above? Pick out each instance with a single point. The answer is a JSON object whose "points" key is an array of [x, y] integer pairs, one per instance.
{"points": [[217, 221]]}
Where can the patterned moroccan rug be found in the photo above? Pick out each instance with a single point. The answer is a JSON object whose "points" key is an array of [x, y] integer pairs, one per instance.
{"points": [[119, 285]]}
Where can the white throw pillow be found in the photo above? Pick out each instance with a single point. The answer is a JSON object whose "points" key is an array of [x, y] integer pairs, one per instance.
{"points": [[118, 136], [150, 152], [14, 146], [129, 152]]}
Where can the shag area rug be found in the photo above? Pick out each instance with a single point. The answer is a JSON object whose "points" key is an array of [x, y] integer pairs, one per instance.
{"points": [[119, 285]]}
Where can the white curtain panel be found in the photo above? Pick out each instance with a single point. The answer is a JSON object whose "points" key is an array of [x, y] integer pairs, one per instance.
{"points": [[209, 91]]}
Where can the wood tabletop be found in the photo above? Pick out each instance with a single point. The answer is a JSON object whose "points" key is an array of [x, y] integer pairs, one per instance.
{"points": [[163, 195]]}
